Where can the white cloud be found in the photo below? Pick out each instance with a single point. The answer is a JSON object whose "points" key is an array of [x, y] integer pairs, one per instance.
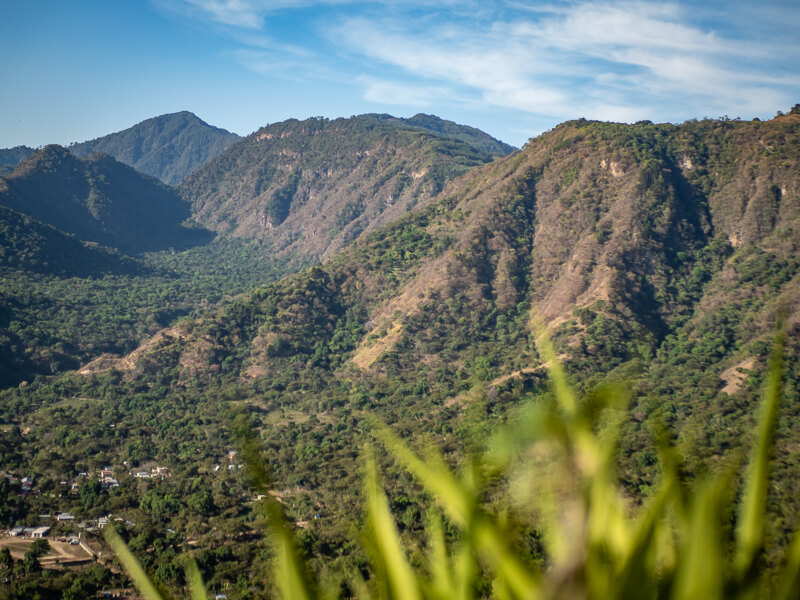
{"points": [[618, 60], [250, 14], [236, 13], [404, 94], [283, 65]]}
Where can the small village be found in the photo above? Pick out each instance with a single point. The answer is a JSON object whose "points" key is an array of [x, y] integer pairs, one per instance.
{"points": [[69, 528], [64, 530]]}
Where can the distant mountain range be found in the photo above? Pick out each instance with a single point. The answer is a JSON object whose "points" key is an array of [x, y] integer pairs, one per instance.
{"points": [[168, 147], [171, 146], [98, 199], [11, 157], [307, 188]]}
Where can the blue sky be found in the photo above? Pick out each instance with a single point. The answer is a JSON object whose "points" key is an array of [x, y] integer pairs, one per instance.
{"points": [[78, 69]]}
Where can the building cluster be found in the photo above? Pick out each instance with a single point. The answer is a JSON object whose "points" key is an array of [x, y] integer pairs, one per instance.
{"points": [[152, 473], [25, 483], [42, 531], [29, 532], [104, 475], [232, 465]]}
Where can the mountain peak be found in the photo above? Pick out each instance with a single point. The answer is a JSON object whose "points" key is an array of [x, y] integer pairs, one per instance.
{"points": [[167, 147], [436, 125]]}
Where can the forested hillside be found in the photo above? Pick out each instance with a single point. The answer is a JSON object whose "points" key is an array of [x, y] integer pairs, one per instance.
{"points": [[657, 257], [433, 124], [99, 200], [310, 187], [11, 157], [168, 147], [67, 301]]}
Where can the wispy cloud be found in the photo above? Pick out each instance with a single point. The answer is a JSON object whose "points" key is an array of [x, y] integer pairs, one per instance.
{"points": [[288, 66], [398, 93], [250, 14], [620, 59]]}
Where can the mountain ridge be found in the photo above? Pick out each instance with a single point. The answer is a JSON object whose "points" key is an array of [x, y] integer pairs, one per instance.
{"points": [[310, 187], [465, 133], [600, 222], [168, 147]]}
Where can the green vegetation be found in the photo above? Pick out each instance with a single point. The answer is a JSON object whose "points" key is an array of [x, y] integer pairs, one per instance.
{"points": [[657, 255], [557, 463], [99, 200], [68, 308], [168, 147], [470, 135]]}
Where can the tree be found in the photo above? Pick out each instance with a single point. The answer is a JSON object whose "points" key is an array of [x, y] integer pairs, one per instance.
{"points": [[202, 502], [39, 547], [30, 563], [6, 561], [89, 491]]}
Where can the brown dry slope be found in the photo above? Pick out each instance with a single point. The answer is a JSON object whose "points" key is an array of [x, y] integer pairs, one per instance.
{"points": [[308, 188]]}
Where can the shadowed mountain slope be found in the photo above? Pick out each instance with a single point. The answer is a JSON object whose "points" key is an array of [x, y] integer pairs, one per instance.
{"points": [[33, 246], [98, 199], [11, 157]]}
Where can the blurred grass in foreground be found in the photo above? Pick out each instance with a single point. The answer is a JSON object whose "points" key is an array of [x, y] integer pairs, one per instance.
{"points": [[559, 465]]}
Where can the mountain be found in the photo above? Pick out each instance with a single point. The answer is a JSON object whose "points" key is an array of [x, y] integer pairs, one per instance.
{"points": [[308, 188], [658, 258], [167, 147], [659, 254], [31, 253], [98, 199], [433, 124], [11, 157], [615, 236]]}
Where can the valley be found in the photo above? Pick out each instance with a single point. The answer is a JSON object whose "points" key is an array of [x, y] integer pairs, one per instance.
{"points": [[317, 280]]}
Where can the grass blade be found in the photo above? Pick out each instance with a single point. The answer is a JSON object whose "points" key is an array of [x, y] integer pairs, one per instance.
{"points": [[789, 579], [751, 522], [289, 571], [402, 582], [132, 566], [434, 474], [564, 394], [196, 587]]}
